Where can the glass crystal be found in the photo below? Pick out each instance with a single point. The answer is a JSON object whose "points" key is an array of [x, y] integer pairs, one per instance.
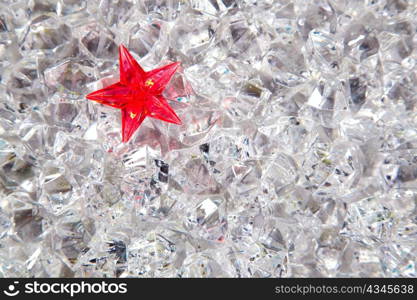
{"points": [[296, 157]]}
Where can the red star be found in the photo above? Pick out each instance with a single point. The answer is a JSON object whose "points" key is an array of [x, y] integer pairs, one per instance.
{"points": [[138, 94]]}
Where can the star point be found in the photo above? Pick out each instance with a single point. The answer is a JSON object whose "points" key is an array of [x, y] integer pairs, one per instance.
{"points": [[138, 94]]}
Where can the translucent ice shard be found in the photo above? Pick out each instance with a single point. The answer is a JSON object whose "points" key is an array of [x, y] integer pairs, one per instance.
{"points": [[296, 157]]}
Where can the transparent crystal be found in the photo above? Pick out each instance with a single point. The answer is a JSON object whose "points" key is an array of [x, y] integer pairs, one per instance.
{"points": [[296, 156]]}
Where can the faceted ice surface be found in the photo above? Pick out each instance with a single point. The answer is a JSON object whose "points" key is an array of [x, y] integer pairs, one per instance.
{"points": [[297, 155]]}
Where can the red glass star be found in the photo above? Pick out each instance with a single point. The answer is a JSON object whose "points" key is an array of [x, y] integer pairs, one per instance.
{"points": [[138, 94]]}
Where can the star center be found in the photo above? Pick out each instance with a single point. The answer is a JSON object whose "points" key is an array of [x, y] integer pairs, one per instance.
{"points": [[149, 83]]}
